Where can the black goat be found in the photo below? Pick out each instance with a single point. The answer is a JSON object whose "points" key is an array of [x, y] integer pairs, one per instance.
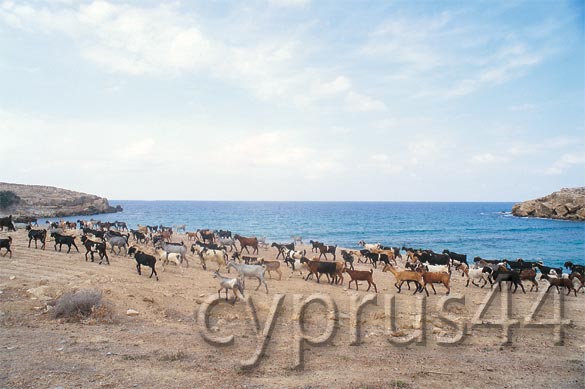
{"points": [[433, 258], [519, 264], [324, 250], [347, 258], [5, 244], [315, 245], [64, 239], [508, 276], [36, 235], [462, 258], [7, 222], [100, 248], [319, 268], [138, 236], [575, 268], [377, 257], [492, 261], [547, 270], [224, 234], [282, 248], [96, 233], [143, 259]]}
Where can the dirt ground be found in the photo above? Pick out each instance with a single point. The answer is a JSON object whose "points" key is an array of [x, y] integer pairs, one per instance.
{"points": [[162, 345]]}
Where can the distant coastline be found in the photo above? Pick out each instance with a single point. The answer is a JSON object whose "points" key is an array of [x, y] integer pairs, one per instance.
{"points": [[49, 201]]}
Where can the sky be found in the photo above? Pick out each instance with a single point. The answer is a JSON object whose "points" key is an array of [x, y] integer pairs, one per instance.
{"points": [[294, 99]]}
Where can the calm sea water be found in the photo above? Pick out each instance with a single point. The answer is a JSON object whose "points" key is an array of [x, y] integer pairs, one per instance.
{"points": [[484, 229]]}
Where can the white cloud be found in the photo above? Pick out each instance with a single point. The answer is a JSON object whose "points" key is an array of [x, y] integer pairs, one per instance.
{"points": [[338, 85], [408, 41], [277, 153], [289, 3], [443, 55], [565, 162], [487, 158], [509, 63], [160, 41], [362, 103], [520, 148], [140, 148]]}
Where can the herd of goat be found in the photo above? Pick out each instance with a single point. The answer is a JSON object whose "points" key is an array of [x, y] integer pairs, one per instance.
{"points": [[151, 244]]}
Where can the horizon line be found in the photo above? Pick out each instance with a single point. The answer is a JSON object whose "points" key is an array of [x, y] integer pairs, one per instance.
{"points": [[325, 201]]}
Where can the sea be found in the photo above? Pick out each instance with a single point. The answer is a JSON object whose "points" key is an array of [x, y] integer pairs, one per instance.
{"points": [[487, 229]]}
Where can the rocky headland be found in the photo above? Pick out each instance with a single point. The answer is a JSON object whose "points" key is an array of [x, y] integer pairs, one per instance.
{"points": [[566, 204], [48, 201]]}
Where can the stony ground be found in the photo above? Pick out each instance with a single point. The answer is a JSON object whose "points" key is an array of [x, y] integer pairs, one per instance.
{"points": [[162, 345]]}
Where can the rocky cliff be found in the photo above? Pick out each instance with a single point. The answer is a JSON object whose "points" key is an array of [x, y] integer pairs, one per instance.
{"points": [[48, 201], [567, 204]]}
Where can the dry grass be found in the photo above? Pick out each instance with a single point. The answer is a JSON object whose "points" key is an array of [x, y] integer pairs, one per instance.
{"points": [[173, 357]]}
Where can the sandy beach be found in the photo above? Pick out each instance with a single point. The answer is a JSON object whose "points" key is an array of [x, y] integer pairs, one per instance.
{"points": [[162, 345]]}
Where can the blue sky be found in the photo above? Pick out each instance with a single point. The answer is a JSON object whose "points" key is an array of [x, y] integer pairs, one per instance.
{"points": [[294, 99]]}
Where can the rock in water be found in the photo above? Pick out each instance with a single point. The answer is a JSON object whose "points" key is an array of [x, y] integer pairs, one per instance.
{"points": [[566, 204]]}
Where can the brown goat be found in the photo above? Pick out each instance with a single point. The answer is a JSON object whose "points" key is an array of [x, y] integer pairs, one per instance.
{"points": [[167, 235], [562, 282], [192, 235], [436, 278], [389, 253], [529, 275], [404, 275], [272, 266], [361, 275], [247, 242]]}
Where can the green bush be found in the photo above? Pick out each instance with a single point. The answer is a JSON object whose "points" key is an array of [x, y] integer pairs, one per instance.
{"points": [[8, 198]]}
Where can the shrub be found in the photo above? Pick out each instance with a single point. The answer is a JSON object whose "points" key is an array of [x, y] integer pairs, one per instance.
{"points": [[82, 304], [8, 198]]}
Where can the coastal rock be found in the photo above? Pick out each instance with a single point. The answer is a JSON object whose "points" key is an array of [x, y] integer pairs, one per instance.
{"points": [[566, 204], [48, 201]]}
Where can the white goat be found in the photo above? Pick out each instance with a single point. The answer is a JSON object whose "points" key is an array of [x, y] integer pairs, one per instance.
{"points": [[254, 271], [437, 268], [218, 256], [178, 248], [229, 283], [297, 239], [298, 265], [293, 254], [165, 258], [553, 274], [370, 246], [474, 274], [228, 242], [262, 242]]}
